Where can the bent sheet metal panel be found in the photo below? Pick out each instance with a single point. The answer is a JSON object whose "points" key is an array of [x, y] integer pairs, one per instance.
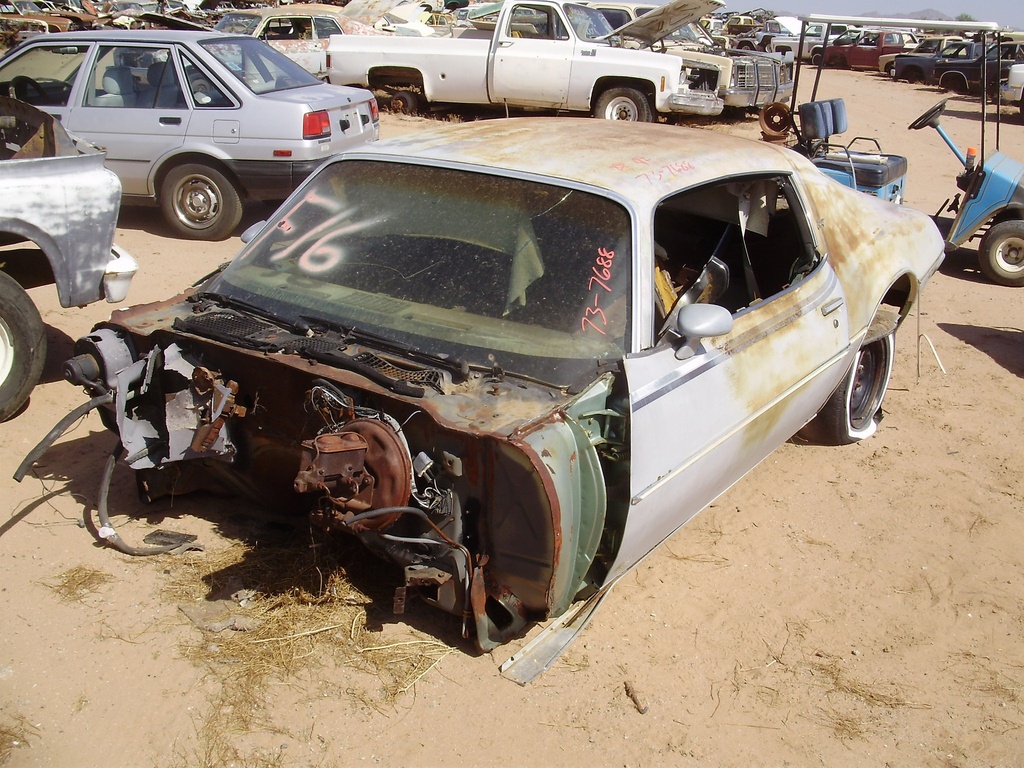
{"points": [[67, 203]]}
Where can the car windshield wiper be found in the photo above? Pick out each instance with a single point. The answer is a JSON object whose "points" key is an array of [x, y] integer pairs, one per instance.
{"points": [[459, 368], [296, 325]]}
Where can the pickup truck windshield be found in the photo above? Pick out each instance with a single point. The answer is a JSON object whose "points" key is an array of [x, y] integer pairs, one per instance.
{"points": [[499, 272]]}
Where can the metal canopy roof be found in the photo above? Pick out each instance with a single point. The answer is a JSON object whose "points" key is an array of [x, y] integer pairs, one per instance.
{"points": [[869, 21]]}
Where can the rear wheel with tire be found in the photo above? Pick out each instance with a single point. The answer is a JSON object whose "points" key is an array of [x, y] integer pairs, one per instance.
{"points": [[955, 82], [22, 346], [1001, 253], [405, 103], [853, 411], [624, 104], [200, 202]]}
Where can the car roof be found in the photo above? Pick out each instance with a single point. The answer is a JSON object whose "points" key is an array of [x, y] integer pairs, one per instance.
{"points": [[642, 161], [131, 35]]}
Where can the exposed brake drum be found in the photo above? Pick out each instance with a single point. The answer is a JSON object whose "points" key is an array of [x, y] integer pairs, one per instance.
{"points": [[364, 465], [388, 460]]}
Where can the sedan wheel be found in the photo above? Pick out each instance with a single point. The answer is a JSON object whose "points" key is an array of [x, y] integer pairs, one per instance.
{"points": [[1001, 254], [200, 203]]}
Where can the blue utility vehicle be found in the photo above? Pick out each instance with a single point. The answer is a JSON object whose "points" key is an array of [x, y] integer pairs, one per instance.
{"points": [[990, 201]]}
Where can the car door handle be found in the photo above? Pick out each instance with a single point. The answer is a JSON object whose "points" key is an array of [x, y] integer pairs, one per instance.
{"points": [[170, 121], [830, 307]]}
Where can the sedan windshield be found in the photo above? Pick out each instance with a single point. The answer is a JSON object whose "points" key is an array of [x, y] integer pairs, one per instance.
{"points": [[504, 274], [257, 66]]}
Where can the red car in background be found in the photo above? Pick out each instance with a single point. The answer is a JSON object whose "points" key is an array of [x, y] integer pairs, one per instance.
{"points": [[862, 49]]}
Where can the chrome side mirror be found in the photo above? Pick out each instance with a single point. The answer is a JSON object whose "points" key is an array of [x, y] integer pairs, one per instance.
{"points": [[696, 322]]}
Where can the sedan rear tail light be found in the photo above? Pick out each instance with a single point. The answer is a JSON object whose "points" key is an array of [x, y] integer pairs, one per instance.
{"points": [[374, 111], [316, 125]]}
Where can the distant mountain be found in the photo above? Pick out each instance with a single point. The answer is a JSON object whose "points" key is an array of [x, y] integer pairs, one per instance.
{"points": [[929, 14]]}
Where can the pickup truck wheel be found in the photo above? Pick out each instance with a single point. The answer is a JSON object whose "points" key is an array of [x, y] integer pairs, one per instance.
{"points": [[1001, 253], [200, 203], [624, 104], [913, 75], [22, 346], [816, 58], [853, 411], [405, 103]]}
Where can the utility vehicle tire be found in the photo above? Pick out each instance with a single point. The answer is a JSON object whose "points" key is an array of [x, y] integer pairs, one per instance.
{"points": [[853, 411], [200, 203], [22, 346], [1001, 253], [624, 104], [405, 103]]}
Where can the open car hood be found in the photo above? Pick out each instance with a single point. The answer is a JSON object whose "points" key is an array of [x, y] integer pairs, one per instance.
{"points": [[665, 20]]}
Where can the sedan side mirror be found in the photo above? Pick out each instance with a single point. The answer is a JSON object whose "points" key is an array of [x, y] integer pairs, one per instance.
{"points": [[696, 322]]}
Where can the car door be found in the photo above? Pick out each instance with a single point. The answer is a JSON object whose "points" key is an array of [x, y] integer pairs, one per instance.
{"points": [[132, 104], [295, 36], [700, 423], [532, 58]]}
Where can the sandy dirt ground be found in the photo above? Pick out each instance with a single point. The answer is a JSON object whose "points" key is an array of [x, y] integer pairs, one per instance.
{"points": [[857, 606]]}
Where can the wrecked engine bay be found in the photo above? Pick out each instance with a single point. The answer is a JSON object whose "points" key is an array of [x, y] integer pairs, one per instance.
{"points": [[447, 475]]}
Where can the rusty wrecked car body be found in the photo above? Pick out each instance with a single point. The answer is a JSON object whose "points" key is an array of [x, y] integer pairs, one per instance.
{"points": [[512, 357]]}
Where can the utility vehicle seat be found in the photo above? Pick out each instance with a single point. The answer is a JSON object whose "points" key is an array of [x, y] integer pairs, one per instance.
{"points": [[819, 121]]}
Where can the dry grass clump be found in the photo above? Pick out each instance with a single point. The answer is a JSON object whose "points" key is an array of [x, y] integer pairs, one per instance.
{"points": [[296, 608], [13, 735], [295, 611], [869, 694], [79, 582]]}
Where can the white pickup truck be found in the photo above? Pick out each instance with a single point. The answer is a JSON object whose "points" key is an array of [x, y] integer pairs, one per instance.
{"points": [[544, 54], [813, 42]]}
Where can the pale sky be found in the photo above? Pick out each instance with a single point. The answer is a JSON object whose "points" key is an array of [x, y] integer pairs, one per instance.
{"points": [[1008, 13]]}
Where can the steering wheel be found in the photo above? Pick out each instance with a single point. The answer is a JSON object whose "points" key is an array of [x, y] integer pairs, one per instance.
{"points": [[22, 84], [929, 118]]}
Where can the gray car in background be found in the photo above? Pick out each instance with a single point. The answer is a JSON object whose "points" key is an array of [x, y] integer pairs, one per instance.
{"points": [[195, 122]]}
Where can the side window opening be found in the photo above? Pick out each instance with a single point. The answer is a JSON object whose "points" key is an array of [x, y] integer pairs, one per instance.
{"points": [[734, 244], [42, 76], [204, 89], [325, 27]]}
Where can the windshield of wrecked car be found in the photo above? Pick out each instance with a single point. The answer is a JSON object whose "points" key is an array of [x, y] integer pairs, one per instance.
{"points": [[257, 66], [498, 272], [238, 23], [692, 34]]}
